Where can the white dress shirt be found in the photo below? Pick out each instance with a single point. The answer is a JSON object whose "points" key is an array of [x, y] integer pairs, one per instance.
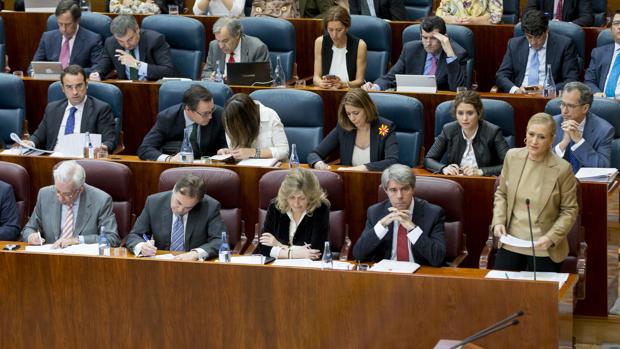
{"points": [[559, 152], [469, 157], [412, 235], [542, 66], [202, 254], [237, 55], [78, 120], [339, 63]]}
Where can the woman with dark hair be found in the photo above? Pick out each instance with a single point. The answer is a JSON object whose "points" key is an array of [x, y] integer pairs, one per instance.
{"points": [[253, 130], [366, 141], [470, 145]]}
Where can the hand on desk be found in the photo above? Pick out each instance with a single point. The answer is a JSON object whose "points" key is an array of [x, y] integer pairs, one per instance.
{"points": [[268, 239], [320, 165], [369, 86], [62, 243], [35, 239], [451, 170], [305, 253], [148, 249], [188, 256]]}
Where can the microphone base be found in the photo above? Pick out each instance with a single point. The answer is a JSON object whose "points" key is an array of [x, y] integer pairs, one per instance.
{"points": [[449, 343]]}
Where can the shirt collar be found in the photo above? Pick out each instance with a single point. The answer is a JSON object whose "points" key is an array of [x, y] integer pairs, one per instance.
{"points": [[79, 107], [188, 121], [472, 137], [289, 213]]}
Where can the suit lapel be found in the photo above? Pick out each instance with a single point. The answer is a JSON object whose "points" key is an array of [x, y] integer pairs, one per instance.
{"points": [[551, 51], [142, 47], [374, 141], [348, 142], [85, 124], [192, 219], [55, 54], [84, 212], [245, 52], [55, 124], [523, 54], [56, 210], [519, 161], [549, 175], [419, 56], [166, 224], [605, 65], [77, 45]]}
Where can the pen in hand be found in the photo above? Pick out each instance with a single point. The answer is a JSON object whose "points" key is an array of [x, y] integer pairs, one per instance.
{"points": [[40, 238]]}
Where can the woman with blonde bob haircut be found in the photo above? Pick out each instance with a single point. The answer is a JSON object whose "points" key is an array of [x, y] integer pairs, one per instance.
{"points": [[536, 182], [366, 141], [297, 221]]}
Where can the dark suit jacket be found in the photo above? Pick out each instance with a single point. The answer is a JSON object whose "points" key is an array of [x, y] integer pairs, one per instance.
{"points": [[489, 145], [203, 230], [9, 219], [383, 149], [97, 117], [576, 11], [166, 136], [561, 54], [387, 9], [86, 48], [598, 135], [600, 63], [412, 59], [430, 249], [154, 50], [314, 8], [313, 230]]}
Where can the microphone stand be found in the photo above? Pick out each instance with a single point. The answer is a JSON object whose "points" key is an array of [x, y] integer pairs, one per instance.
{"points": [[529, 219], [507, 322]]}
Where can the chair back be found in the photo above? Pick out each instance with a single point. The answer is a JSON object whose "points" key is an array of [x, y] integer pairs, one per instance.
{"points": [[604, 38], [2, 44], [511, 12], [568, 29], [417, 9], [279, 36], [407, 113], [305, 129], [460, 34], [95, 22], [12, 107], [19, 179], [377, 34], [171, 92], [599, 10], [187, 39], [223, 185]]}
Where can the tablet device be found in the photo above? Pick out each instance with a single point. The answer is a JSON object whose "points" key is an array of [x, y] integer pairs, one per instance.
{"points": [[416, 83]]}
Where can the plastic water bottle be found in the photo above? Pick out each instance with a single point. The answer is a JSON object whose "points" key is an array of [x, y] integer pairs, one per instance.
{"points": [[327, 261], [279, 79], [218, 77], [89, 151], [84, 5], [293, 162], [224, 249], [187, 153], [104, 244], [549, 84]]}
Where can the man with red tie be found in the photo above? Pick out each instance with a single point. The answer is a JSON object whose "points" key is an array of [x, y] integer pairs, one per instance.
{"points": [[402, 228], [576, 11]]}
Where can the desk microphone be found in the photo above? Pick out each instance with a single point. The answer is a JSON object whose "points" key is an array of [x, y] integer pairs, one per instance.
{"points": [[507, 322], [529, 219]]}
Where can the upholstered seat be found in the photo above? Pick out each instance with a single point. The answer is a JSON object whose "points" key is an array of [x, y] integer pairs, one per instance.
{"points": [[19, 179]]}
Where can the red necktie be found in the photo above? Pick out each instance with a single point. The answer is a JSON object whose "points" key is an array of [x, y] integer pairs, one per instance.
{"points": [[402, 244], [559, 9], [231, 59]]}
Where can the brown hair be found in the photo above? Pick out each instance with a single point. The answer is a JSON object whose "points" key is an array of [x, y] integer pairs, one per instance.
{"points": [[303, 180], [337, 14], [357, 98], [190, 185], [241, 120], [468, 97]]}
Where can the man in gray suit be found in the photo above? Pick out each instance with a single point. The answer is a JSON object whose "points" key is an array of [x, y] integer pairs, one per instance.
{"points": [[232, 46], [71, 212], [184, 219]]}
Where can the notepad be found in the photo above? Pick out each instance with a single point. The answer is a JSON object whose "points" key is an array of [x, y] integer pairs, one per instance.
{"points": [[83, 249], [560, 278], [390, 266]]}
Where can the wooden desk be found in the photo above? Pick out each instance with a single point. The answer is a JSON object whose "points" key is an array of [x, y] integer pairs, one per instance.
{"points": [[361, 192], [62, 301]]}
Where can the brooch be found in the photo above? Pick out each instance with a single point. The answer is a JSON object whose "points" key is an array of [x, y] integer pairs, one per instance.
{"points": [[383, 130]]}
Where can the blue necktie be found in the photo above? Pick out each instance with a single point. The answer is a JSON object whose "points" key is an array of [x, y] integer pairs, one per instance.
{"points": [[532, 74], [570, 157], [177, 238], [612, 82], [70, 121]]}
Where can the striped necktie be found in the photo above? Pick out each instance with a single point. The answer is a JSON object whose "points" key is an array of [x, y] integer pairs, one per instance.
{"points": [[68, 228], [178, 236]]}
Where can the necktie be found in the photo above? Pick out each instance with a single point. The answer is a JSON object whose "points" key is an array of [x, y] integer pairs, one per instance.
{"points": [[178, 237], [64, 53], [402, 244], [559, 9], [612, 81], [433, 66], [570, 157], [70, 125], [532, 74], [133, 72], [67, 230], [193, 139], [231, 58]]}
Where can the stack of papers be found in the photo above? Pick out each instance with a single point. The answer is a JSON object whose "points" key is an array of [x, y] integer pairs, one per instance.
{"points": [[514, 241], [596, 174], [391, 266], [307, 263], [85, 249], [271, 162], [560, 278]]}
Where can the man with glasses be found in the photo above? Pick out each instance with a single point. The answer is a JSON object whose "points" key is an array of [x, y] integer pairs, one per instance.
{"points": [[71, 212], [582, 138], [525, 63], [198, 111], [78, 113], [604, 69]]}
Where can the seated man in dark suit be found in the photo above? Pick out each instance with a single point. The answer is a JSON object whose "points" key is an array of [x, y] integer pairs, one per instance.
{"points": [[163, 142], [582, 138], [78, 113], [9, 219], [435, 55], [393, 10], [232, 46], [526, 59], [576, 11], [184, 219], [70, 43], [135, 54], [604, 69], [402, 228]]}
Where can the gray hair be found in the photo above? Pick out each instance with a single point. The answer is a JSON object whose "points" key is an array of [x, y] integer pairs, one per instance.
{"points": [[121, 24], [399, 173], [585, 93], [70, 171], [233, 25]]}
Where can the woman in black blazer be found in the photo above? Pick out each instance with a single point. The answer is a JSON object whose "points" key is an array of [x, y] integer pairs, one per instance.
{"points": [[366, 141], [297, 222], [470, 145]]}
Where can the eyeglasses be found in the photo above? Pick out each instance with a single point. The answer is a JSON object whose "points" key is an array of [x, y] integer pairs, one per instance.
{"points": [[67, 195], [205, 113], [570, 106]]}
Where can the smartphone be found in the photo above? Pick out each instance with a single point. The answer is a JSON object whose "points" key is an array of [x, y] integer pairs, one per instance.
{"points": [[11, 247], [530, 88], [330, 77]]}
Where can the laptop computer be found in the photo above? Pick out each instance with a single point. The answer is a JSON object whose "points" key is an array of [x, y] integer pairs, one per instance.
{"points": [[248, 74], [46, 70], [47, 6], [416, 83]]}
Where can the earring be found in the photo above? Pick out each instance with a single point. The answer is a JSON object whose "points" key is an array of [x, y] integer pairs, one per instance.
{"points": [[525, 140]]}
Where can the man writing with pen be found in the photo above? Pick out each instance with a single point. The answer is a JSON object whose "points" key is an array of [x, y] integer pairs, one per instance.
{"points": [[183, 219]]}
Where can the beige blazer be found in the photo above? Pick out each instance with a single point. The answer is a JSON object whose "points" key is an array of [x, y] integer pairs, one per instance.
{"points": [[560, 209]]}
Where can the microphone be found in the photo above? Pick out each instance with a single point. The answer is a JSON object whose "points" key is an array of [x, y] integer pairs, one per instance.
{"points": [[529, 219], [507, 322]]}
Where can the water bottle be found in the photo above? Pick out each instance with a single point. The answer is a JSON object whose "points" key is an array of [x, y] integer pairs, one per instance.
{"points": [[104, 244], [218, 77], [293, 162], [549, 84], [187, 153], [327, 261], [84, 5], [89, 151], [279, 80], [224, 249]]}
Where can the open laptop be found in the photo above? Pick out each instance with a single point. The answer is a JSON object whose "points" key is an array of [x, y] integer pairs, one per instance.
{"points": [[416, 83], [46, 70], [248, 74], [47, 6]]}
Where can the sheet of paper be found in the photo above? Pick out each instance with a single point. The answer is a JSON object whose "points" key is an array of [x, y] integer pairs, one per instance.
{"points": [[596, 173], [391, 266], [514, 241], [82, 249], [167, 256], [258, 162], [307, 263], [73, 144], [223, 157], [253, 259], [560, 278], [21, 151]]}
